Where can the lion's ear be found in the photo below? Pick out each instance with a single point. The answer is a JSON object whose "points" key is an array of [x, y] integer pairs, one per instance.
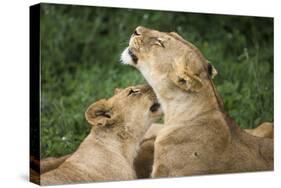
{"points": [[176, 35], [184, 77], [99, 114], [212, 71]]}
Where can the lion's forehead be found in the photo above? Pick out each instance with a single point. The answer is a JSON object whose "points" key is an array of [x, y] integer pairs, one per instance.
{"points": [[123, 100]]}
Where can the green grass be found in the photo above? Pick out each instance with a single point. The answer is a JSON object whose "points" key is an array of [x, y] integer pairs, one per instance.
{"points": [[80, 49]]}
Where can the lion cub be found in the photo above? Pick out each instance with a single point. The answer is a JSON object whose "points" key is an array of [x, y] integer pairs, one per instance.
{"points": [[198, 135], [107, 153]]}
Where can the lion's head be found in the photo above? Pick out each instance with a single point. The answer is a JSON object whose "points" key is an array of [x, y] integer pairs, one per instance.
{"points": [[131, 109], [167, 58]]}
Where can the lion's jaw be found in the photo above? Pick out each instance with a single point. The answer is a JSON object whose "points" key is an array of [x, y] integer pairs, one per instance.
{"points": [[157, 82], [169, 96]]}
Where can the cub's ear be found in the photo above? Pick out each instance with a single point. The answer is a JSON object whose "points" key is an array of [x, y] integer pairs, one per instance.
{"points": [[117, 90], [100, 114], [212, 71], [184, 76]]}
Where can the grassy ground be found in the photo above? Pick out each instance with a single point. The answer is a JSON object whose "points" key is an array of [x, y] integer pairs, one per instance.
{"points": [[80, 49]]}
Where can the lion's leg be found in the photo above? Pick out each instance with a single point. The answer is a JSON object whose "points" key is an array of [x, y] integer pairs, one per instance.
{"points": [[51, 163], [263, 130], [47, 164], [144, 159]]}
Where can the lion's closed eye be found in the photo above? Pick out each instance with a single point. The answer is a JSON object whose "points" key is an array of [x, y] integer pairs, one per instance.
{"points": [[103, 113], [157, 41], [160, 42], [134, 92]]}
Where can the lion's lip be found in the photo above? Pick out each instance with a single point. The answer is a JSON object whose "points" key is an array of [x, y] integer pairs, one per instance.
{"points": [[133, 56], [154, 107]]}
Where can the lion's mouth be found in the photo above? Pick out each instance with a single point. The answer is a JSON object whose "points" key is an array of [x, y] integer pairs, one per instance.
{"points": [[155, 107], [133, 56]]}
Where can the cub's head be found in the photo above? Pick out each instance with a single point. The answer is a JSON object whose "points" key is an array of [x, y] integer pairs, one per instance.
{"points": [[129, 111], [167, 61]]}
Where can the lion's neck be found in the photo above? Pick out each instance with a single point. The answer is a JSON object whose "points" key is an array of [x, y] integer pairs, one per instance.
{"points": [[125, 143], [185, 106], [100, 145]]}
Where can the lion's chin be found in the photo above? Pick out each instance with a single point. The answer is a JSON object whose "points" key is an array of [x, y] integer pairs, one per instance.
{"points": [[126, 58]]}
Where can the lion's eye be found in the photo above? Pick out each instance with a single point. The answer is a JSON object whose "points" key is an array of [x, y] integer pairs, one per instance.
{"points": [[160, 42], [134, 92]]}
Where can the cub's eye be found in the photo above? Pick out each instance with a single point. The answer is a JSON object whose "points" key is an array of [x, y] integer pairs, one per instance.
{"points": [[134, 92]]}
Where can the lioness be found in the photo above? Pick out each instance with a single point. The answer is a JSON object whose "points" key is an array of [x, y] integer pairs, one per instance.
{"points": [[199, 137], [143, 161], [107, 153]]}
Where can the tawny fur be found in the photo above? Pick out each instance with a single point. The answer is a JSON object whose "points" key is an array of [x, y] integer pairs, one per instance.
{"points": [[144, 160], [263, 130], [47, 164], [107, 153], [198, 136]]}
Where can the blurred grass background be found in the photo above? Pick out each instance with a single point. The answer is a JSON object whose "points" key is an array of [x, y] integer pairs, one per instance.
{"points": [[81, 46]]}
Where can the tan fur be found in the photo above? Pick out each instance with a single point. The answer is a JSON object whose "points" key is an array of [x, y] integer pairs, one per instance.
{"points": [[144, 159], [142, 163], [263, 130], [199, 137], [51, 163], [47, 164], [107, 153]]}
